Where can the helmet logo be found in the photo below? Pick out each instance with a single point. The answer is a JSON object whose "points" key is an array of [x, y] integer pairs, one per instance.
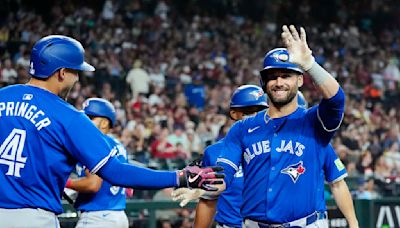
{"points": [[257, 94], [281, 57], [31, 69]]}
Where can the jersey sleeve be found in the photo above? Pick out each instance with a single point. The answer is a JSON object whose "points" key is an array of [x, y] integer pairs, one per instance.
{"points": [[327, 116], [334, 168], [87, 144], [231, 155]]}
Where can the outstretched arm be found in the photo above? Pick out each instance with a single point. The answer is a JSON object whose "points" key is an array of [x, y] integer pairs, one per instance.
{"points": [[344, 201], [127, 175]]}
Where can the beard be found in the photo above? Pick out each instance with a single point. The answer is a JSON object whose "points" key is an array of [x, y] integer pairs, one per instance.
{"points": [[280, 102]]}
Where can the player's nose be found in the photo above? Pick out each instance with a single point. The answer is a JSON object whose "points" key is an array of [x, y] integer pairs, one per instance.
{"points": [[279, 81]]}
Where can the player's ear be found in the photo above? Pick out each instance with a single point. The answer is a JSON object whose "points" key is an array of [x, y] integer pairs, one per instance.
{"points": [[104, 123], [61, 74], [300, 81], [234, 115]]}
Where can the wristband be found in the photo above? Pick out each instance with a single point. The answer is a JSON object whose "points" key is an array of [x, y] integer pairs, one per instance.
{"points": [[318, 74], [69, 183]]}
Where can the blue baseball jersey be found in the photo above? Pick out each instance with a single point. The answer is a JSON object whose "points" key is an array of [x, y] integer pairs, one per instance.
{"points": [[333, 170], [41, 139], [230, 201], [108, 197], [282, 159]]}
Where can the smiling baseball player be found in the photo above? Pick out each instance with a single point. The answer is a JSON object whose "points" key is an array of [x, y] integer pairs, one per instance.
{"points": [[281, 149]]}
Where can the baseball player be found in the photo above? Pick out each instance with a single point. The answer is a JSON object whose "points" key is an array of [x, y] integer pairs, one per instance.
{"points": [[281, 149], [333, 172], [42, 137], [101, 204], [246, 100]]}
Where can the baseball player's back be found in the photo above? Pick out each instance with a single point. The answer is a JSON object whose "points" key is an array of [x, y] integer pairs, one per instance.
{"points": [[230, 201], [37, 152]]}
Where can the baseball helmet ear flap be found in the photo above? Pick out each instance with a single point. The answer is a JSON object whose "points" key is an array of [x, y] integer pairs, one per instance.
{"points": [[99, 107], [54, 52]]}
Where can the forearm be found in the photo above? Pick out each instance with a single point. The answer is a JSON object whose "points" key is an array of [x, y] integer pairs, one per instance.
{"points": [[205, 212], [127, 175], [344, 201], [325, 82], [90, 184]]}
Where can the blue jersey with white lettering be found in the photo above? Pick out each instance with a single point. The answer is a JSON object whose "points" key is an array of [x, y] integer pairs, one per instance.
{"points": [[282, 160], [108, 197], [41, 139], [230, 201]]}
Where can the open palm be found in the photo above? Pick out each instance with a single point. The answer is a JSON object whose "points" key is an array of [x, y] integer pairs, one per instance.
{"points": [[297, 46]]}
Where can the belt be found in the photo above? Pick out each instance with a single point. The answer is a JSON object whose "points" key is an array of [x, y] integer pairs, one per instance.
{"points": [[299, 223]]}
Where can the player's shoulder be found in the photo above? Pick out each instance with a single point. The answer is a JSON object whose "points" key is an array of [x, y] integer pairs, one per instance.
{"points": [[114, 142], [214, 148], [253, 120], [13, 89], [212, 152], [303, 113], [111, 138]]}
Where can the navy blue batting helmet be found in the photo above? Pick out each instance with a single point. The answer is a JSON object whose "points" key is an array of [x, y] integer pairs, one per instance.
{"points": [[54, 52], [301, 101], [99, 107], [248, 95]]}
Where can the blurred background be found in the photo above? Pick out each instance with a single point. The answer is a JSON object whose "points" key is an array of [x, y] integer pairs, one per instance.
{"points": [[170, 66]]}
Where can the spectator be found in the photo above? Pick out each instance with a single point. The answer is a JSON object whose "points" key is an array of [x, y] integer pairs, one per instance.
{"points": [[138, 79], [8, 73], [161, 148]]}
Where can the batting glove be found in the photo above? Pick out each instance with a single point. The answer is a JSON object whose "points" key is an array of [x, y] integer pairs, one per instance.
{"points": [[204, 178], [185, 195]]}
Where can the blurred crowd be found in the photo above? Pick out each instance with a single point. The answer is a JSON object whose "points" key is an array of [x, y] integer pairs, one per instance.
{"points": [[170, 72]]}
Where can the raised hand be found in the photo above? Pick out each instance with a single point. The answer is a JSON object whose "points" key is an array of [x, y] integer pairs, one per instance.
{"points": [[297, 47]]}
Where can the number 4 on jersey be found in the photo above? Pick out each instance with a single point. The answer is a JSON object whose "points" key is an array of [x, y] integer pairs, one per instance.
{"points": [[11, 152]]}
